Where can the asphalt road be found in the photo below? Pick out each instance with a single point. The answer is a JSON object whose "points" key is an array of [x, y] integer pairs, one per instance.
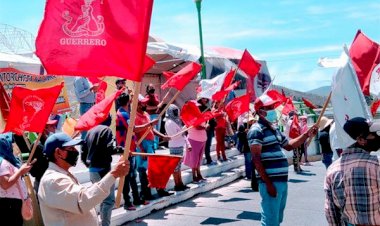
{"points": [[236, 204]]}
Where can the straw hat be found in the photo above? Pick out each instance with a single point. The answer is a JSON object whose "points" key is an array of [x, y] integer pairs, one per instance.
{"points": [[324, 123]]}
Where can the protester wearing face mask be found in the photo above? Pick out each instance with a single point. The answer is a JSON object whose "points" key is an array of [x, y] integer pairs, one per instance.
{"points": [[266, 141], [352, 182], [152, 108], [63, 201]]}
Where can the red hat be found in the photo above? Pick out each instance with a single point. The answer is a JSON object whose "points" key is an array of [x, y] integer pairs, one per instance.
{"points": [[265, 101]]}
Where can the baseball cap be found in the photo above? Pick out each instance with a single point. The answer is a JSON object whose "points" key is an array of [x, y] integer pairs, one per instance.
{"points": [[360, 126], [59, 140], [264, 101]]}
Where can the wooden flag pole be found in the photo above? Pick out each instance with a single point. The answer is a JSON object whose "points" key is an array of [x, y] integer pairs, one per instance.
{"points": [[128, 141], [37, 217], [320, 117], [153, 154], [182, 131], [159, 116], [34, 148]]}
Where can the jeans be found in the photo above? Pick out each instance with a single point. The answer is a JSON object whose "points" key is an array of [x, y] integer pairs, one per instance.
{"points": [[248, 165], [327, 159], [157, 127], [272, 208], [210, 135], [130, 183], [108, 203], [83, 108]]}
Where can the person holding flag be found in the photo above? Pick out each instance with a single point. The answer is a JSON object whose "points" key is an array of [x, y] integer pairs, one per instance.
{"points": [[12, 187], [266, 143], [146, 146], [63, 201], [177, 145]]}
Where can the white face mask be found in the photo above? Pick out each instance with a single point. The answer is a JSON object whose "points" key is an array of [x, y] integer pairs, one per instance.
{"points": [[271, 115]]}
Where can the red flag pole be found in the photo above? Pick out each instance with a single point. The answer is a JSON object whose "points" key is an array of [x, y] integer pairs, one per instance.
{"points": [[153, 154], [159, 116], [128, 139]]}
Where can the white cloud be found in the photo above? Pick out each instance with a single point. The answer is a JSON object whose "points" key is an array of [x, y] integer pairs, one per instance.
{"points": [[303, 51]]}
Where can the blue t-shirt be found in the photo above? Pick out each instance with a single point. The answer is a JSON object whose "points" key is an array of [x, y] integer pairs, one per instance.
{"points": [[273, 159]]}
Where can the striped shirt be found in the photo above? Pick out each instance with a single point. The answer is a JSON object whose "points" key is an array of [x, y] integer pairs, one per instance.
{"points": [[352, 188], [273, 159]]}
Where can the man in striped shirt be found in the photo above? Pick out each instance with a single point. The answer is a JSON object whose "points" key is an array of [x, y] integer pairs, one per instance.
{"points": [[266, 143], [352, 183]]}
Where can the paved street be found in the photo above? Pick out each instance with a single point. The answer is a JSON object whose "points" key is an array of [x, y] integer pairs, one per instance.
{"points": [[236, 204]]}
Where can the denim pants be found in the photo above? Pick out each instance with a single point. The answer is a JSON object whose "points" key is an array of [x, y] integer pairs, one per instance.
{"points": [[248, 165], [272, 208], [83, 108], [157, 127], [108, 203], [327, 159]]}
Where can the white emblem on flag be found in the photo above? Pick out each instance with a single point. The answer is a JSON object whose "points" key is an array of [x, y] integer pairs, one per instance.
{"points": [[31, 106]]}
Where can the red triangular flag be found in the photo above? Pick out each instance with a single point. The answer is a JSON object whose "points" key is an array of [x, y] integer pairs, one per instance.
{"points": [[95, 38], [228, 79], [365, 56], [160, 168], [308, 103], [180, 79], [30, 109], [374, 107], [4, 102], [295, 129], [205, 116], [288, 107], [223, 92], [249, 65], [97, 113], [237, 107]]}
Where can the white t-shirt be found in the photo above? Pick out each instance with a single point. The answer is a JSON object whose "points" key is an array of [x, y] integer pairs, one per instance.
{"points": [[172, 128], [6, 168]]}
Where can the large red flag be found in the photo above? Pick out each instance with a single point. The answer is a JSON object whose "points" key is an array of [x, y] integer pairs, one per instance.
{"points": [[30, 109], [160, 168], [168, 74], [180, 79], [95, 37], [97, 113], [249, 65], [308, 103], [223, 92], [192, 116], [295, 128], [4, 102], [288, 107], [365, 55], [237, 107]]}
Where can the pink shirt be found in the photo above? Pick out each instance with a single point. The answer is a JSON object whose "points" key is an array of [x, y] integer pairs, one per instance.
{"points": [[7, 168], [141, 119]]}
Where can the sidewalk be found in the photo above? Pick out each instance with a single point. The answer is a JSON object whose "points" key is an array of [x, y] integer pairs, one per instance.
{"points": [[236, 204]]}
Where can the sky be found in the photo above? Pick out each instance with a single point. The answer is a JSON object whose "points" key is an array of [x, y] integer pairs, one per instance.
{"points": [[290, 35]]}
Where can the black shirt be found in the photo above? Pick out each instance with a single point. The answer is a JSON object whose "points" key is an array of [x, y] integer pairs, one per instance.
{"points": [[324, 140]]}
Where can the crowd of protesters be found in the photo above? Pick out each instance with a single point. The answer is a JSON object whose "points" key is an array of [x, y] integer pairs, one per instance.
{"points": [[64, 201]]}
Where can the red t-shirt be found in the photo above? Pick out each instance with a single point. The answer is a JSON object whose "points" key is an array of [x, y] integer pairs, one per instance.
{"points": [[220, 120], [141, 119], [153, 102]]}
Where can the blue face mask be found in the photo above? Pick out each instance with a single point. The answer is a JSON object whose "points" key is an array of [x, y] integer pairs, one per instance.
{"points": [[271, 116]]}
